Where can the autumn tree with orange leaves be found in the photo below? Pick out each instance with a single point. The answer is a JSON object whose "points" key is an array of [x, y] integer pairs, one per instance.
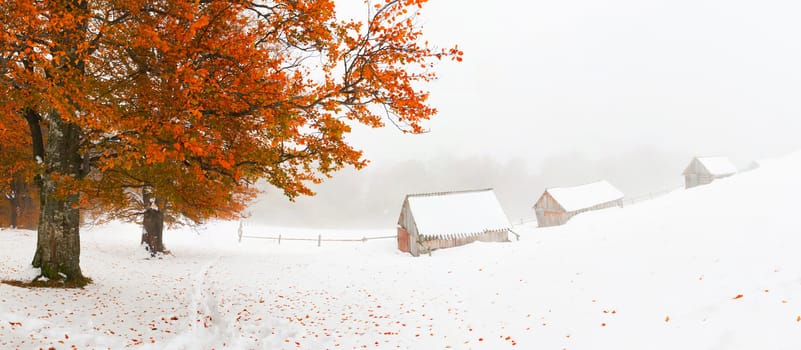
{"points": [[17, 167], [179, 107]]}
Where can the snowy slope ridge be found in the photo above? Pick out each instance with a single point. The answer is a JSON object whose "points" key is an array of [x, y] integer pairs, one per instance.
{"points": [[713, 267]]}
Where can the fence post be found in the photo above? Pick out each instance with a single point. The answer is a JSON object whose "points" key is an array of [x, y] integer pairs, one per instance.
{"points": [[240, 231], [279, 238], [319, 239]]}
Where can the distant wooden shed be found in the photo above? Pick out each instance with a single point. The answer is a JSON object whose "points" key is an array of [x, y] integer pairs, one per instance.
{"points": [[432, 221], [704, 170], [557, 205]]}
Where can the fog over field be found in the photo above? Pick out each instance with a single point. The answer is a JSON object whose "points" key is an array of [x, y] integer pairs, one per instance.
{"points": [[371, 198]]}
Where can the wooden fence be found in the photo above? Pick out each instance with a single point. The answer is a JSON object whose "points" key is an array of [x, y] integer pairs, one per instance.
{"points": [[319, 238], [648, 196]]}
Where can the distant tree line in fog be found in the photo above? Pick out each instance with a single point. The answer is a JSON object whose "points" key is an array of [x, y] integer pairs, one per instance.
{"points": [[372, 197]]}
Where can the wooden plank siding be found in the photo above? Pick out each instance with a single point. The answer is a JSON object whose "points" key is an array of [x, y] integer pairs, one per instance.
{"points": [[551, 218], [696, 175], [403, 240], [406, 222], [550, 213], [428, 244]]}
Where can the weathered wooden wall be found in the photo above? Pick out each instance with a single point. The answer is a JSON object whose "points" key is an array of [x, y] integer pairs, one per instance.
{"points": [[697, 175], [403, 240], [406, 222], [428, 244], [550, 213], [692, 180]]}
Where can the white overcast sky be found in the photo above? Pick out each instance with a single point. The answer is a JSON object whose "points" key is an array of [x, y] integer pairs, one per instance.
{"points": [[598, 78], [563, 92]]}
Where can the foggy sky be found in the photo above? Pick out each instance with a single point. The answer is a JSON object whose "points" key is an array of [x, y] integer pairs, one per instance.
{"points": [[559, 93]]}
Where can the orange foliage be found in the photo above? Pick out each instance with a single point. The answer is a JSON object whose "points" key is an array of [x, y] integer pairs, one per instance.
{"points": [[199, 100], [16, 174]]}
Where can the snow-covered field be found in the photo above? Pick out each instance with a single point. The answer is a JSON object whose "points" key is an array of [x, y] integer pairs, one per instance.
{"points": [[714, 267]]}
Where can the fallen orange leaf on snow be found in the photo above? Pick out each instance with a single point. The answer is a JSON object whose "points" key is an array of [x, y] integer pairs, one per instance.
{"points": [[738, 296], [667, 318]]}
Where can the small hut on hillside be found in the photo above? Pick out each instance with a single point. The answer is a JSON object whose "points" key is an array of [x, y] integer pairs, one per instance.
{"points": [[704, 170], [557, 205], [448, 219]]}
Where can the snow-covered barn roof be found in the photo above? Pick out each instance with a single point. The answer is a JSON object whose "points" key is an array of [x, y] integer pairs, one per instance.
{"points": [[452, 213], [714, 165], [585, 196]]}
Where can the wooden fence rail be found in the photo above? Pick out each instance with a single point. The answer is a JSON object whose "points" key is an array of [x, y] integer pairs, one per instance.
{"points": [[648, 196], [319, 238]]}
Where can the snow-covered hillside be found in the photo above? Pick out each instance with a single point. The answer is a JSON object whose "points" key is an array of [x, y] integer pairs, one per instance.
{"points": [[714, 267]]}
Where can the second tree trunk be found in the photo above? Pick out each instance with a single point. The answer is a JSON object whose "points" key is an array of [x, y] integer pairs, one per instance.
{"points": [[152, 231]]}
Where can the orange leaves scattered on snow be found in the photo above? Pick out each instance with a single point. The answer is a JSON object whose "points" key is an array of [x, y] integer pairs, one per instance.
{"points": [[511, 340]]}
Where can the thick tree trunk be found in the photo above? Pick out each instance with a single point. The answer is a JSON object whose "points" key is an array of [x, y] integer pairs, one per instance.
{"points": [[152, 223], [58, 247], [152, 231]]}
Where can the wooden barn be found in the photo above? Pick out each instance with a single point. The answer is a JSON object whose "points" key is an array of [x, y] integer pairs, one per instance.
{"points": [[557, 205], [704, 170], [448, 219]]}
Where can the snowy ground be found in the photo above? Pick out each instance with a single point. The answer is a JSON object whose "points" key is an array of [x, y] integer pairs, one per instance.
{"points": [[715, 267]]}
